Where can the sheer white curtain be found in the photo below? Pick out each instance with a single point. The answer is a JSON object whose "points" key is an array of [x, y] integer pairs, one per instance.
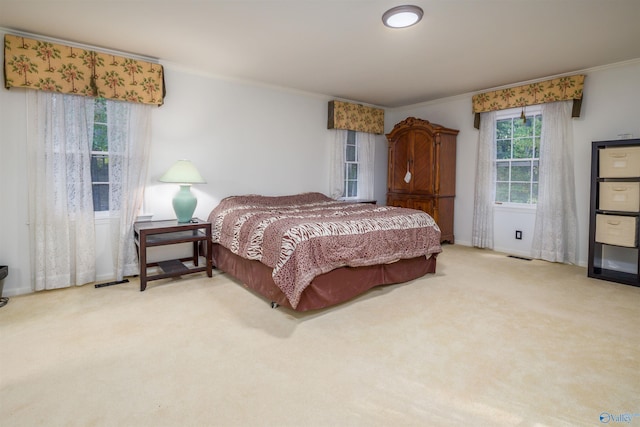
{"points": [[366, 154], [336, 163], [129, 135], [555, 231], [484, 201], [366, 157], [61, 218]]}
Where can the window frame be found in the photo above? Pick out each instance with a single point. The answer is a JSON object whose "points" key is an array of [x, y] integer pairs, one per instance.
{"points": [[351, 141], [100, 153], [515, 113]]}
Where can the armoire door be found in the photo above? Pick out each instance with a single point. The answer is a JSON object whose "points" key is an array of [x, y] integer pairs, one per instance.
{"points": [[422, 163], [399, 164]]}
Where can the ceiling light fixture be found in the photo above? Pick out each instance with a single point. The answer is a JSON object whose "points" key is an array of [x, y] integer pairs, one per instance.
{"points": [[402, 16]]}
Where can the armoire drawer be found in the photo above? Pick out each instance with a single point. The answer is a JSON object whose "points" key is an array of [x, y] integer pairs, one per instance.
{"points": [[620, 196], [619, 162], [616, 230]]}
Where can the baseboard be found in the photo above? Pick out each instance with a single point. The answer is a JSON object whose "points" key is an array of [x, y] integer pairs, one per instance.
{"points": [[14, 292], [105, 277], [510, 251]]}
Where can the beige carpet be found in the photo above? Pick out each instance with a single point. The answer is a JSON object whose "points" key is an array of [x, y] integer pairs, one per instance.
{"points": [[487, 341]]}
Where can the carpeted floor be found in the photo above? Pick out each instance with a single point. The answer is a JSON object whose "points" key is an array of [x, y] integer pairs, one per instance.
{"points": [[487, 341]]}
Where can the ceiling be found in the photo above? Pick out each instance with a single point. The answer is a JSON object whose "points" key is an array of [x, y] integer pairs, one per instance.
{"points": [[340, 48]]}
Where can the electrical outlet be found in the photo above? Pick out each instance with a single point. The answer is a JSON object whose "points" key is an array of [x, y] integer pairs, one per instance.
{"points": [[518, 235]]}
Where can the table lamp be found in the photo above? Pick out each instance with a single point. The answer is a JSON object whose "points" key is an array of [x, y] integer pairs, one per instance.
{"points": [[183, 172]]}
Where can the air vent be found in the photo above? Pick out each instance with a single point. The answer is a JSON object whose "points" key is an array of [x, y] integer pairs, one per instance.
{"points": [[519, 257]]}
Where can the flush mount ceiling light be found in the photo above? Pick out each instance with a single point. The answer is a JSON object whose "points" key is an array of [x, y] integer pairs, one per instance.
{"points": [[402, 16]]}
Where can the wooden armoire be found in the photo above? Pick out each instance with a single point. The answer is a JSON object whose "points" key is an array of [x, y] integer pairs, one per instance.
{"points": [[422, 170]]}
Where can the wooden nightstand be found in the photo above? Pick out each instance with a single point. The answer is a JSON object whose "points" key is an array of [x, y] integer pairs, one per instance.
{"points": [[160, 233]]}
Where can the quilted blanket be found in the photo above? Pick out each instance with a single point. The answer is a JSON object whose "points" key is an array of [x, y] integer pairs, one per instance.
{"points": [[305, 235]]}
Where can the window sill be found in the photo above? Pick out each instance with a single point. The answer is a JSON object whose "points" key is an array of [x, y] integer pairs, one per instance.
{"points": [[104, 217], [515, 207]]}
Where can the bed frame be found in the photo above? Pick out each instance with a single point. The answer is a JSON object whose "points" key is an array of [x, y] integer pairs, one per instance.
{"points": [[327, 289]]}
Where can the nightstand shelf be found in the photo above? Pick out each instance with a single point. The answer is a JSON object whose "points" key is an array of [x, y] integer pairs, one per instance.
{"points": [[161, 233]]}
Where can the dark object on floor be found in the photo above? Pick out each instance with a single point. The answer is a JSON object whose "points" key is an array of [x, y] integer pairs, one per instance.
{"points": [[519, 257], [4, 271], [102, 285]]}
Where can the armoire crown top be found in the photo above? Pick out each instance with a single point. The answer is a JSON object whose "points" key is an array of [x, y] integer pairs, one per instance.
{"points": [[414, 122]]}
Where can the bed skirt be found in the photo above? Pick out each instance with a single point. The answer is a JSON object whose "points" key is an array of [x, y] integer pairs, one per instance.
{"points": [[327, 289]]}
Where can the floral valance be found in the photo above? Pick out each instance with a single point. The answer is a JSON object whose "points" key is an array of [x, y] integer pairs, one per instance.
{"points": [[41, 65], [345, 115], [560, 89]]}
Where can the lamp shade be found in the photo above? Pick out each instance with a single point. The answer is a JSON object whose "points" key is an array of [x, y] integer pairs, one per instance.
{"points": [[183, 172]]}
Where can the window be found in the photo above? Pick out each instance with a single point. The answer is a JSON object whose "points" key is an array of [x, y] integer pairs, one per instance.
{"points": [[352, 160], [351, 166], [517, 157], [100, 157]]}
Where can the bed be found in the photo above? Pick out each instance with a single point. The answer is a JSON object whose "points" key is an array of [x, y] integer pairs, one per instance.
{"points": [[308, 251]]}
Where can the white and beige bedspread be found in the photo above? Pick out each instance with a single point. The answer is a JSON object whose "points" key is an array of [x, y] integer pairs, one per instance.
{"points": [[304, 235]]}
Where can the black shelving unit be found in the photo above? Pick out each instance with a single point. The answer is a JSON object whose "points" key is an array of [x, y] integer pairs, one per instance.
{"points": [[616, 263]]}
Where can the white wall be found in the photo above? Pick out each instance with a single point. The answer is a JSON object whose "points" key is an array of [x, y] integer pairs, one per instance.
{"points": [[243, 138], [611, 106], [14, 232], [246, 138]]}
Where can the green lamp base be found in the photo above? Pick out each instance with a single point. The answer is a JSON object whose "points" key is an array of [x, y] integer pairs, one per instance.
{"points": [[184, 203]]}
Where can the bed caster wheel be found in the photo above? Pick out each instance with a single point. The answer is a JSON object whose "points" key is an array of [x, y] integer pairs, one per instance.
{"points": [[274, 304]]}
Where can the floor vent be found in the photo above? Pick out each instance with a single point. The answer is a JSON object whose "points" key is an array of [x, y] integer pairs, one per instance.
{"points": [[102, 285], [519, 257]]}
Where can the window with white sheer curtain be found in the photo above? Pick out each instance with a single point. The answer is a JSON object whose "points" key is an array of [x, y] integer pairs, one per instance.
{"points": [[484, 200], [60, 203], [555, 230], [100, 157], [129, 130], [352, 162], [61, 208], [517, 156]]}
